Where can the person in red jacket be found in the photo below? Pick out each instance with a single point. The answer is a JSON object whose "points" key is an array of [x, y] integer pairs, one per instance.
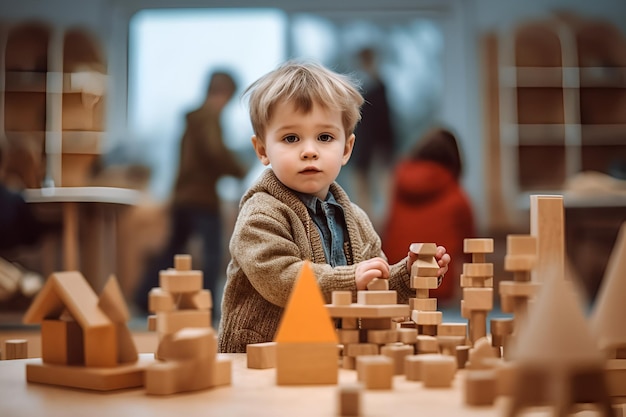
{"points": [[429, 205]]}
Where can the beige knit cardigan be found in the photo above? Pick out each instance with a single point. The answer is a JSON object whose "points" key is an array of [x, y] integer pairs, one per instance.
{"points": [[273, 236]]}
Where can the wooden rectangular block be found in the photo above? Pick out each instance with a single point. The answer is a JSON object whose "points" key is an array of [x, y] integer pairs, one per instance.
{"points": [[378, 284], [306, 363], [349, 399], [360, 349], [196, 300], [520, 262], [342, 298], [397, 353], [347, 336], [480, 387], [425, 268], [547, 225], [222, 371], [381, 337], [478, 269], [478, 245], [172, 321], [64, 344], [615, 371], [349, 323], [160, 300], [426, 317], [438, 371], [478, 298], [408, 336], [174, 281], [452, 329], [376, 372], [519, 289], [423, 304], [370, 297], [521, 245], [261, 355], [427, 344], [377, 323], [182, 262], [423, 282]]}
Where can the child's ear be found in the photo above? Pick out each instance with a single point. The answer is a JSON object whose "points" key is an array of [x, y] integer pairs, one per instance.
{"points": [[347, 149], [259, 148]]}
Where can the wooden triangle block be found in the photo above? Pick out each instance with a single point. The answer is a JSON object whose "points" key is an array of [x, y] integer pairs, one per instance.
{"points": [[306, 318], [607, 318]]}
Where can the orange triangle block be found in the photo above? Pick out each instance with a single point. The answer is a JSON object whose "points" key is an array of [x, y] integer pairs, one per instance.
{"points": [[305, 318]]}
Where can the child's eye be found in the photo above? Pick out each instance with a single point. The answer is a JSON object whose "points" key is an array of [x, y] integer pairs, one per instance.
{"points": [[325, 138], [290, 139]]}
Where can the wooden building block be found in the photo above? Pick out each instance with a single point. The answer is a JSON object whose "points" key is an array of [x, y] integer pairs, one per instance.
{"points": [[615, 371], [438, 371], [452, 329], [519, 262], [171, 377], [375, 371], [519, 289], [425, 268], [223, 371], [397, 353], [182, 262], [112, 303], [478, 298], [174, 281], [188, 343], [349, 399], [462, 356], [478, 245], [423, 249], [427, 344], [407, 336], [368, 312], [547, 225], [360, 349], [16, 349], [426, 317], [412, 367], [64, 342], [347, 336], [378, 284], [448, 344], [261, 355], [521, 245], [423, 304], [197, 300], [342, 298], [381, 337], [478, 269], [424, 282], [480, 387], [152, 320], [382, 323], [480, 354], [306, 363], [172, 321], [479, 282], [372, 297]]}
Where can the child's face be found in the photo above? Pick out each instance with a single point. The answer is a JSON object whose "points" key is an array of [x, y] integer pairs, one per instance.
{"points": [[306, 150]]}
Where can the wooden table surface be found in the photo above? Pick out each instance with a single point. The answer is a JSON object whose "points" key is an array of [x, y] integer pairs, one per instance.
{"points": [[253, 393]]}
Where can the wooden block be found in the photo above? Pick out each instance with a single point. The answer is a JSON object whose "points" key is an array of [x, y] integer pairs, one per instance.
{"points": [[223, 371], [381, 337], [377, 323], [349, 323], [547, 225], [16, 349], [126, 349], [397, 353], [501, 326], [188, 343], [480, 354], [478, 282], [424, 282], [408, 336], [423, 304], [64, 343], [519, 262], [261, 355], [92, 378], [152, 320], [413, 365], [306, 363], [347, 336], [112, 303], [198, 300], [519, 289], [462, 356], [427, 329], [172, 321], [425, 268], [160, 300], [348, 362], [505, 376], [438, 371], [423, 249], [182, 262], [371, 297], [452, 329], [378, 284], [426, 317], [171, 377], [448, 344], [100, 345], [349, 399], [342, 298], [480, 387], [174, 281], [427, 344], [375, 371], [477, 245], [360, 349], [615, 371], [422, 293], [368, 312], [521, 245], [478, 270], [478, 298]]}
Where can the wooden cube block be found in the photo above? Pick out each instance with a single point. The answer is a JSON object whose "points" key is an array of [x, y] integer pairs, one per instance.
{"points": [[397, 353], [342, 298], [349, 323], [427, 344], [480, 387], [261, 355], [376, 372], [347, 336], [413, 365], [407, 335], [479, 282], [478, 298], [615, 371], [349, 399], [438, 371], [160, 300], [306, 363], [423, 304], [519, 262], [378, 284], [372, 297], [182, 262]]}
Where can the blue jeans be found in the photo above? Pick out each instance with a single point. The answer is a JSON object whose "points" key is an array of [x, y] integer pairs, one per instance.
{"points": [[187, 223]]}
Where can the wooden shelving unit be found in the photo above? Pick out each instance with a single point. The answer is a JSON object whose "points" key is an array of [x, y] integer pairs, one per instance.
{"points": [[53, 87], [561, 98]]}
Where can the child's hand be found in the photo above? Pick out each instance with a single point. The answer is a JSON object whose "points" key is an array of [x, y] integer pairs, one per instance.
{"points": [[366, 271], [443, 259]]}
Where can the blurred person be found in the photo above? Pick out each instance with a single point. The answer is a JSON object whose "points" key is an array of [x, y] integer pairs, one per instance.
{"points": [[374, 147], [195, 205], [429, 205]]}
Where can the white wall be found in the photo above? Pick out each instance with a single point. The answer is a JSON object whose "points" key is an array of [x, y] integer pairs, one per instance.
{"points": [[466, 20]]}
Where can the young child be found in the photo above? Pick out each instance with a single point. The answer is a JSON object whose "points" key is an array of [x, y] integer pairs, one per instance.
{"points": [[303, 116]]}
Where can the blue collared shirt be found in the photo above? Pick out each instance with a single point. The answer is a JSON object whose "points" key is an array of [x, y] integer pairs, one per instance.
{"points": [[328, 216]]}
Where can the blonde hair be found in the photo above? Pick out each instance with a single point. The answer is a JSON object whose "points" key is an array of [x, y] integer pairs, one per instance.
{"points": [[303, 84]]}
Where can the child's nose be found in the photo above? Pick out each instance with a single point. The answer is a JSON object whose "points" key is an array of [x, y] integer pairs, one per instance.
{"points": [[310, 152]]}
